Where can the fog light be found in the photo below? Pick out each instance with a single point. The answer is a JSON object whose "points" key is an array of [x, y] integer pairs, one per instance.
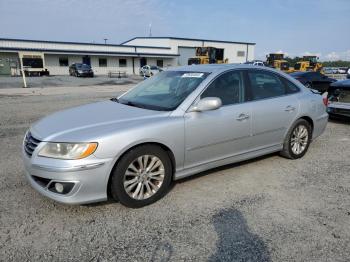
{"points": [[59, 187]]}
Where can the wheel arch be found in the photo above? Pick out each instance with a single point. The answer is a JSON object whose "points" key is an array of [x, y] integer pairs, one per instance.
{"points": [[161, 145], [310, 121]]}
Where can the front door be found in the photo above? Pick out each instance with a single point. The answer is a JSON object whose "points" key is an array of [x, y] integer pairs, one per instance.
{"points": [[225, 132], [273, 109]]}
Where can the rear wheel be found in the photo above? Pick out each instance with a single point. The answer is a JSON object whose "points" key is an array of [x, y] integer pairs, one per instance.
{"points": [[297, 140], [142, 176]]}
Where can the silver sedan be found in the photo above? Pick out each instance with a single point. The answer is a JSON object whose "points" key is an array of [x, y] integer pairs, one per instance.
{"points": [[180, 122]]}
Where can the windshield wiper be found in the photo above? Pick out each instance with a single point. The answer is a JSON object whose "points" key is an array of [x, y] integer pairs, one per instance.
{"points": [[129, 103], [115, 99]]}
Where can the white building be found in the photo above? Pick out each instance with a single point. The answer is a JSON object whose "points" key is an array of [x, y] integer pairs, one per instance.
{"points": [[128, 56]]}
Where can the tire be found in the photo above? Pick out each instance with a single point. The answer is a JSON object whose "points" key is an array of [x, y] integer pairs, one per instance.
{"points": [[156, 188], [288, 150]]}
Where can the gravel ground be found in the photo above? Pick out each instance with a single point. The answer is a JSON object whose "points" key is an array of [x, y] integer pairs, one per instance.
{"points": [[267, 209], [62, 81]]}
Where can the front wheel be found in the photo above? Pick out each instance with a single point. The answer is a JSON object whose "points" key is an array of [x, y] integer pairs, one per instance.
{"points": [[142, 176], [297, 140]]}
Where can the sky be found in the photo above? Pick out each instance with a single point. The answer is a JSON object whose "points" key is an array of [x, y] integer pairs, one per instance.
{"points": [[295, 27]]}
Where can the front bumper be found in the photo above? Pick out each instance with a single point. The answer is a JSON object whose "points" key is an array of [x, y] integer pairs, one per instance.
{"points": [[86, 74], [90, 178]]}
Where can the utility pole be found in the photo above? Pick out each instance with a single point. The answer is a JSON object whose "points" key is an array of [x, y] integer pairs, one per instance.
{"points": [[105, 40]]}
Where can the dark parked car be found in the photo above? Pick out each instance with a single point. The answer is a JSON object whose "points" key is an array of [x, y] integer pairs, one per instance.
{"points": [[314, 80], [339, 99], [79, 69]]}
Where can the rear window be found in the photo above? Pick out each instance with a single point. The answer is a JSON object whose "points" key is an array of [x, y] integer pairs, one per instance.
{"points": [[340, 95]]}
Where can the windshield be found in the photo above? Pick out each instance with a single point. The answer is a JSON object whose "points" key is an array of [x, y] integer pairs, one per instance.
{"points": [[297, 66], [164, 91], [83, 66]]}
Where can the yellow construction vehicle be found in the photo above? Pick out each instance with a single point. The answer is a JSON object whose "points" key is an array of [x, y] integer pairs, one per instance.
{"points": [[276, 60], [309, 63], [208, 55]]}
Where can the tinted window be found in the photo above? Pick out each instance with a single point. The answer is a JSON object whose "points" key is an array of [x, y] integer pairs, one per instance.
{"points": [[32, 62], [290, 87], [102, 62], [265, 85], [160, 63], [228, 87], [122, 62], [63, 61], [83, 66]]}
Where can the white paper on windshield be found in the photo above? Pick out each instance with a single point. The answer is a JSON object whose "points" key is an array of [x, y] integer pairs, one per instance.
{"points": [[196, 75]]}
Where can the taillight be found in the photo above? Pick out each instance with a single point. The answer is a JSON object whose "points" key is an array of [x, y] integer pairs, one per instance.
{"points": [[325, 101], [325, 98]]}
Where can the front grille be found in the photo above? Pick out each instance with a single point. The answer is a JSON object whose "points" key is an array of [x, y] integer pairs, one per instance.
{"points": [[30, 143]]}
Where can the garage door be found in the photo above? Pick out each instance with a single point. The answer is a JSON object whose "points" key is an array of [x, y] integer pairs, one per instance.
{"points": [[186, 53]]}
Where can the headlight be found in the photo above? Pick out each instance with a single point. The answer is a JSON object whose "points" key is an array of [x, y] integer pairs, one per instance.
{"points": [[68, 150]]}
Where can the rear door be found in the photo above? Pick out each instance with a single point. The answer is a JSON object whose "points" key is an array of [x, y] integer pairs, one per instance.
{"points": [[274, 107], [225, 132]]}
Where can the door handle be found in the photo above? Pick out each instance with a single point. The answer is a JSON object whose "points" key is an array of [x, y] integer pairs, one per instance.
{"points": [[289, 108], [242, 117]]}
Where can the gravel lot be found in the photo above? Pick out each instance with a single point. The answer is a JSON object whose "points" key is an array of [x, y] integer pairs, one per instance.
{"points": [[64, 81], [267, 209]]}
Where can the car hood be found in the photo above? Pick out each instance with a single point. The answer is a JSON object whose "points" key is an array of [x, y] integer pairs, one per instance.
{"points": [[86, 117]]}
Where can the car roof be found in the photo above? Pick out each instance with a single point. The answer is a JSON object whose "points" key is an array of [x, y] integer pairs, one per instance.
{"points": [[302, 73], [209, 68]]}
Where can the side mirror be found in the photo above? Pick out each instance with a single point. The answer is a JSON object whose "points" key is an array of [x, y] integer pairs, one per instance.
{"points": [[206, 104]]}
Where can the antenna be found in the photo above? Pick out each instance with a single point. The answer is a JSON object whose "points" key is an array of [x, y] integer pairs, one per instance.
{"points": [[150, 30]]}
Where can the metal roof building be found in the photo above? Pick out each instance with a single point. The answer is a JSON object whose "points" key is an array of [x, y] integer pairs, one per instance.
{"points": [[128, 56]]}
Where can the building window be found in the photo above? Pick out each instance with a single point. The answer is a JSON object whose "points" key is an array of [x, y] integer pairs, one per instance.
{"points": [[102, 62], [240, 53], [160, 63], [122, 62], [63, 61]]}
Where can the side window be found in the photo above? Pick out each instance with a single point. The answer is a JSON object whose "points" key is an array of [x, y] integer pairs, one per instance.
{"points": [[228, 87], [265, 85], [291, 88]]}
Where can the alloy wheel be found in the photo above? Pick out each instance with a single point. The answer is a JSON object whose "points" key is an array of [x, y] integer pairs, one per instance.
{"points": [[144, 177], [299, 139]]}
